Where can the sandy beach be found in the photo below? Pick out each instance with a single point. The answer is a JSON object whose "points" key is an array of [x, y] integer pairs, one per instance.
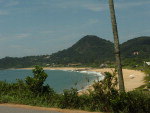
{"points": [[132, 78]]}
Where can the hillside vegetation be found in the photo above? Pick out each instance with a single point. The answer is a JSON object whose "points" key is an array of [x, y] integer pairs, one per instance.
{"points": [[137, 47], [136, 51], [89, 50]]}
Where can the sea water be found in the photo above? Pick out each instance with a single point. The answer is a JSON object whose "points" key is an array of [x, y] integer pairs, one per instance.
{"points": [[59, 80]]}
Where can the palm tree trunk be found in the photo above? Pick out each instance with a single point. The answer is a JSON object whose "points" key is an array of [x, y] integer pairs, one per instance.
{"points": [[116, 46]]}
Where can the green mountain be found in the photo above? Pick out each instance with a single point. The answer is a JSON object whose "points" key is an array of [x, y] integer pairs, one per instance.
{"points": [[87, 50], [136, 48], [28, 61], [135, 51]]}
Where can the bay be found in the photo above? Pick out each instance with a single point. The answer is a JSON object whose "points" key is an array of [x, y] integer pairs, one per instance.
{"points": [[57, 79]]}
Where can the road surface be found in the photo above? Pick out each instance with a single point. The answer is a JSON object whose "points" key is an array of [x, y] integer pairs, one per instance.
{"points": [[16, 108], [7, 109]]}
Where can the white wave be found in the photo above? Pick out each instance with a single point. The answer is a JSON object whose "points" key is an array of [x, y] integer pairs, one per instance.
{"points": [[51, 69], [98, 74], [92, 73]]}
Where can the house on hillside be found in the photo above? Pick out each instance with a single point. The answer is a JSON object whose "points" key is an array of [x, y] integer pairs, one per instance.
{"points": [[103, 66], [135, 53], [74, 65], [47, 65], [47, 57], [146, 63]]}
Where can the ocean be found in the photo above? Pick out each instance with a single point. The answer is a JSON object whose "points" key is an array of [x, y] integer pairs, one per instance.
{"points": [[59, 80]]}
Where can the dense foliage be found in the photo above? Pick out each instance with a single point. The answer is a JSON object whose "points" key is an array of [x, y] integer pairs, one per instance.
{"points": [[90, 50], [136, 48], [29, 61], [104, 97], [135, 51], [35, 84], [146, 86]]}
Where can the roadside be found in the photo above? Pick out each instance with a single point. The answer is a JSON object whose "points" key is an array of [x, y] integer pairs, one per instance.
{"points": [[16, 108]]}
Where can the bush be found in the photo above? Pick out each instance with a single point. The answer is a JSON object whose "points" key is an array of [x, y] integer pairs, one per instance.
{"points": [[35, 84], [69, 99], [131, 102], [27, 91], [147, 77], [106, 97], [104, 91]]}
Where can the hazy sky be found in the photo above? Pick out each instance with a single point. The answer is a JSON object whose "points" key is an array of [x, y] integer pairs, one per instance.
{"points": [[35, 27]]}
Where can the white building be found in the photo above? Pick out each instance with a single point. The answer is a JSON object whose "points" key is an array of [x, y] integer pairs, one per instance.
{"points": [[148, 63]]}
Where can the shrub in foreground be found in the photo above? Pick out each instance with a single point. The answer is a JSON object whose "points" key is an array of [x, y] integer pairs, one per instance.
{"points": [[69, 99], [131, 102]]}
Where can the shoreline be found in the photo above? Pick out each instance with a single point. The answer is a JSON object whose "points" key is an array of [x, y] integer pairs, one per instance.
{"points": [[132, 78], [86, 70]]}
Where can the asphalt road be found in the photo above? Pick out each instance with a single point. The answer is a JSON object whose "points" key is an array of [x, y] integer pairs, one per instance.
{"points": [[17, 108], [7, 109]]}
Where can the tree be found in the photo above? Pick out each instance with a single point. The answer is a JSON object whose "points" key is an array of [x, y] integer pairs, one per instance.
{"points": [[116, 46], [36, 83]]}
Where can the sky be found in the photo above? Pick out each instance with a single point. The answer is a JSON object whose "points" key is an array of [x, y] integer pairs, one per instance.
{"points": [[38, 27]]}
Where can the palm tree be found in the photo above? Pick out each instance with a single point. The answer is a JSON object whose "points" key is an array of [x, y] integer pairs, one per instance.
{"points": [[116, 46]]}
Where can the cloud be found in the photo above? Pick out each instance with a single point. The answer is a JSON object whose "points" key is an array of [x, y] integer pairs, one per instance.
{"points": [[48, 32], [130, 4], [76, 4], [20, 36], [4, 12], [93, 21], [140, 33], [1, 1], [11, 3], [119, 5], [22, 49], [100, 6], [95, 7], [13, 36], [6, 6], [1, 37], [16, 46]]}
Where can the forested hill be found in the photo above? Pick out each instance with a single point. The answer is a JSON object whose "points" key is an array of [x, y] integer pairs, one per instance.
{"points": [[88, 50], [137, 47], [29, 61]]}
